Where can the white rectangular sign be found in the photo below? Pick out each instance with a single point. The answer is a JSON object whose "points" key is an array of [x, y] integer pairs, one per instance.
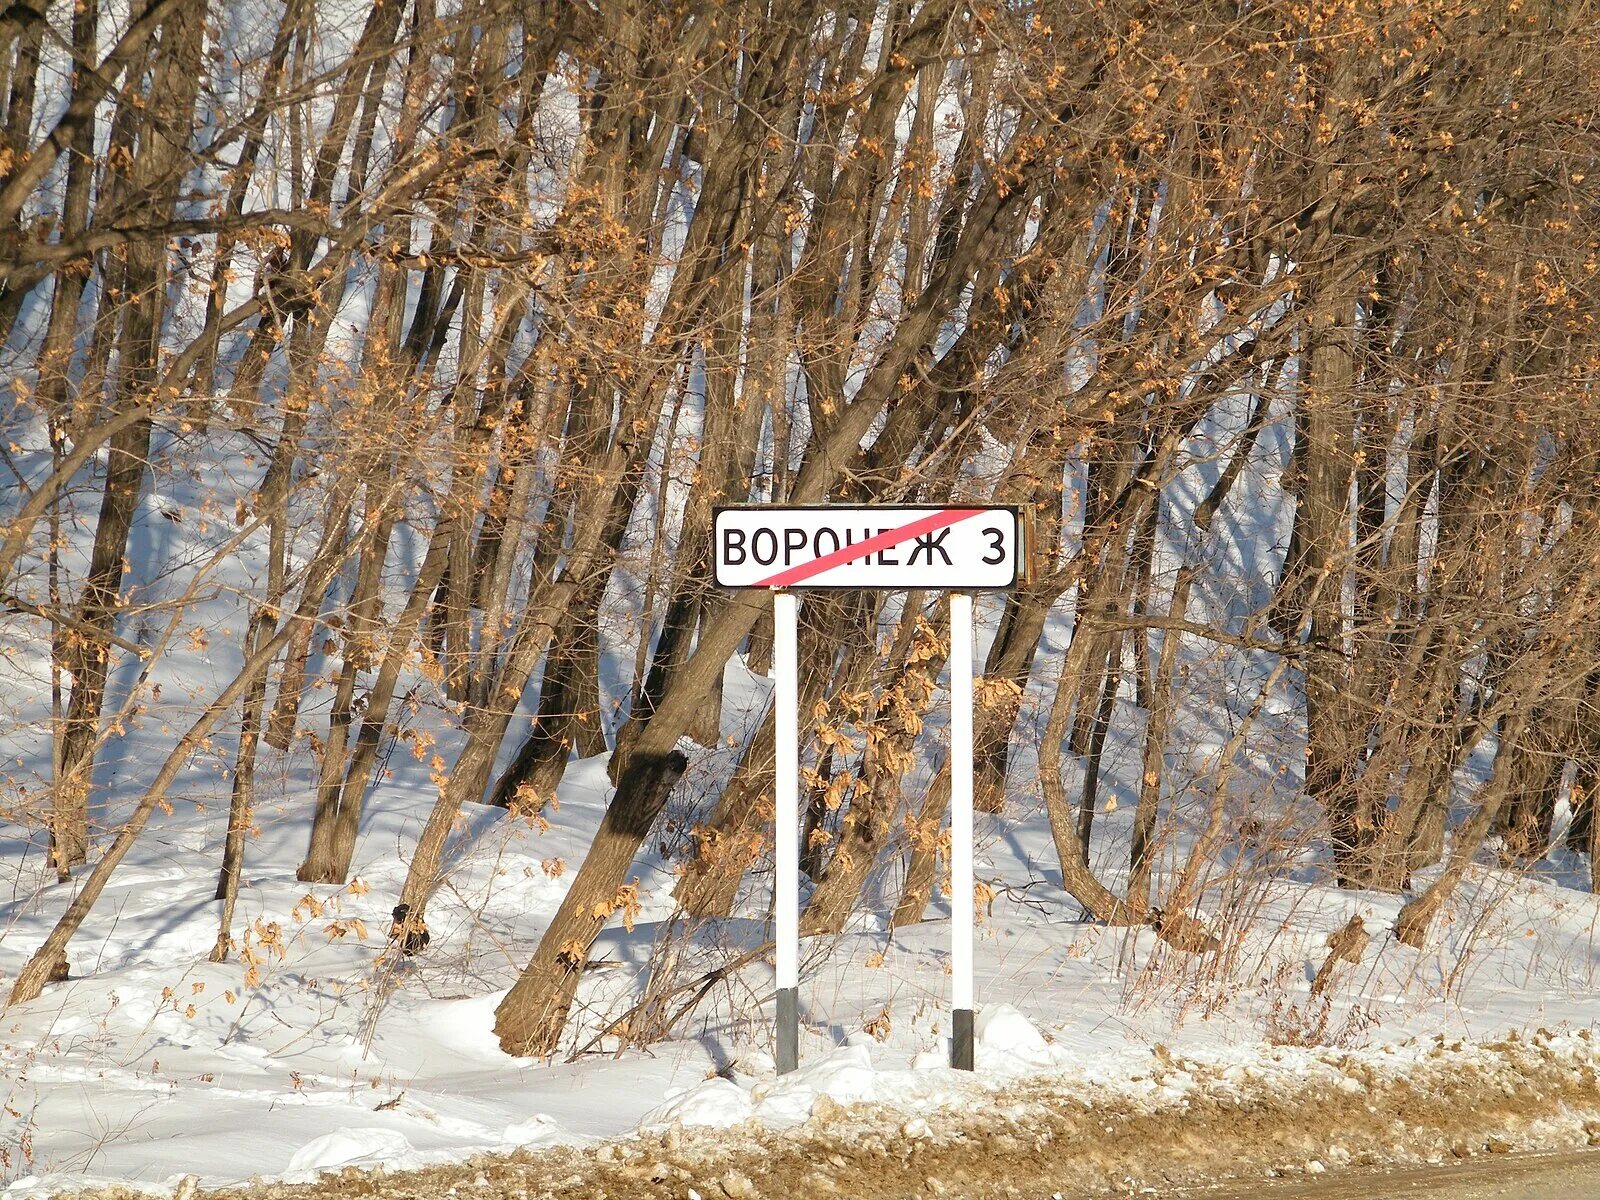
{"points": [[888, 546]]}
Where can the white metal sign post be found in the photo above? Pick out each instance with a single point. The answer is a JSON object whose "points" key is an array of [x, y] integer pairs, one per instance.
{"points": [[890, 547], [961, 913], [786, 849]]}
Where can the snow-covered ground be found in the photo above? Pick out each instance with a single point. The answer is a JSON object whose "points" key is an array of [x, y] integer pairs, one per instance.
{"points": [[152, 1063], [316, 1046]]}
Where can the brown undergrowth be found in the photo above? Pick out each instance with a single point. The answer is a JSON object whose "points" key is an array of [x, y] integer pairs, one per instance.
{"points": [[1196, 1122]]}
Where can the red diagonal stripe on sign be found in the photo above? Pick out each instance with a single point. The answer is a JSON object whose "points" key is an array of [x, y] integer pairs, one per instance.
{"points": [[882, 541]]}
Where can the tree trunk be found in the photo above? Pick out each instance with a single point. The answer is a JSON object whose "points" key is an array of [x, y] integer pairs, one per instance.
{"points": [[922, 866], [241, 804], [1099, 728], [153, 179], [1323, 528], [1416, 918], [320, 865], [533, 775], [530, 1018]]}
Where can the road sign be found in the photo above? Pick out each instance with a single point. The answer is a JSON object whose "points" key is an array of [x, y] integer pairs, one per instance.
{"points": [[898, 547], [879, 546]]}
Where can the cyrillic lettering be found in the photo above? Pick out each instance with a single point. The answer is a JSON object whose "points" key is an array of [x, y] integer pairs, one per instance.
{"points": [[883, 555], [928, 543], [771, 555], [793, 539]]}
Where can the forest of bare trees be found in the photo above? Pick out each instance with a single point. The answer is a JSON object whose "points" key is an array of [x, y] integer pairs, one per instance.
{"points": [[1279, 318]]}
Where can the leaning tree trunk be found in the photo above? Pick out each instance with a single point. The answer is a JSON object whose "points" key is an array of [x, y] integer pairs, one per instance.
{"points": [[534, 1011], [733, 837], [922, 832], [1416, 918]]}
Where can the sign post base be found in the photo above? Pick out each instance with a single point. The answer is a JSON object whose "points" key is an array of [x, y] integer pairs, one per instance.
{"points": [[961, 1039], [789, 1029]]}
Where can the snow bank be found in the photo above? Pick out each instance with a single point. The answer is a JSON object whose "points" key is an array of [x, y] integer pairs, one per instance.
{"points": [[716, 1102], [346, 1148], [1008, 1041]]}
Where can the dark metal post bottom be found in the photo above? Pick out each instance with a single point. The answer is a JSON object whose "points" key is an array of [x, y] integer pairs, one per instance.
{"points": [[788, 1029], [961, 1039]]}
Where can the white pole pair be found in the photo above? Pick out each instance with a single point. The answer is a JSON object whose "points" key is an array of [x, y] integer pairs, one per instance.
{"points": [[786, 880]]}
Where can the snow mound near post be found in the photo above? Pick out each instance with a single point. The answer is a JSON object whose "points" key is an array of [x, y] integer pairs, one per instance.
{"points": [[537, 1130], [716, 1102], [348, 1147], [1008, 1041], [846, 1076]]}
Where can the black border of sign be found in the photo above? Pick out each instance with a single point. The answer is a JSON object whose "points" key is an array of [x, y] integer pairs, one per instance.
{"points": [[1019, 572]]}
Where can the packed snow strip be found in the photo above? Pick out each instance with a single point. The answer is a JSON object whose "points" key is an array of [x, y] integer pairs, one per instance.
{"points": [[1012, 1052], [1015, 1062], [1008, 1045], [1265, 1112]]}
